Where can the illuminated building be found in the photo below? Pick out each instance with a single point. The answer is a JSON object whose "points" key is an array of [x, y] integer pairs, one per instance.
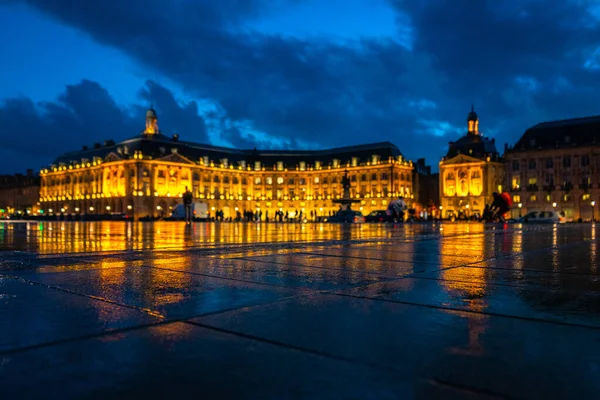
{"points": [[470, 173], [147, 174], [19, 194], [555, 166]]}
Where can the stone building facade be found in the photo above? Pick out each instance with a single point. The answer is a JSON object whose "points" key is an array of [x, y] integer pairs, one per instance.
{"points": [[556, 166], [19, 194], [470, 173], [147, 175]]}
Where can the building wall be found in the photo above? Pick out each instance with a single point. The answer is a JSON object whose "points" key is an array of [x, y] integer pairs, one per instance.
{"points": [[19, 194], [144, 187], [467, 185], [562, 179]]}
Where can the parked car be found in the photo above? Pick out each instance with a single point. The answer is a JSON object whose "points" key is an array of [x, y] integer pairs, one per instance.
{"points": [[379, 216], [347, 216], [547, 217]]}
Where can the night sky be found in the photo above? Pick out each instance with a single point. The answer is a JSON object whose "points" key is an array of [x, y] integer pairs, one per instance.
{"points": [[290, 73]]}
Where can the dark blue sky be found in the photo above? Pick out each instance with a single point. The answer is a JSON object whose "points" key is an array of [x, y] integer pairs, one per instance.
{"points": [[290, 73]]}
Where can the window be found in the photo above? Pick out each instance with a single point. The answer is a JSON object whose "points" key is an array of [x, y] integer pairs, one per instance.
{"points": [[567, 162], [585, 161], [280, 180], [291, 181], [325, 180], [195, 176], [216, 179], [533, 197], [235, 180], [363, 177], [516, 198], [302, 181], [161, 174], [549, 163], [548, 197], [532, 181], [353, 178], [373, 177], [269, 180], [566, 197], [384, 177], [316, 179], [532, 164], [226, 179], [515, 165], [585, 196], [257, 181], [244, 181]]}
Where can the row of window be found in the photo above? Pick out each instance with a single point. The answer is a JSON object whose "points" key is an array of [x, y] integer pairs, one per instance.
{"points": [[548, 197], [548, 162], [226, 179]]}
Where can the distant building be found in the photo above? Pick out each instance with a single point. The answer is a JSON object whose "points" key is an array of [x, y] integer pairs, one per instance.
{"points": [[427, 189], [147, 174], [470, 173], [19, 194], [556, 166]]}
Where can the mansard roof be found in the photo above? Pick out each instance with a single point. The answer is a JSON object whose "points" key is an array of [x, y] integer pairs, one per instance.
{"points": [[575, 132], [474, 145], [160, 145]]}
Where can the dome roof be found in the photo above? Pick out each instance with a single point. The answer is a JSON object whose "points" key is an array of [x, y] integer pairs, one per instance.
{"points": [[474, 146], [472, 115], [151, 113]]}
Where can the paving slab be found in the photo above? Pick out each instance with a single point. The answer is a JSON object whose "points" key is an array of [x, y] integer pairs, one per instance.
{"points": [[507, 357], [32, 314], [171, 294], [181, 359]]}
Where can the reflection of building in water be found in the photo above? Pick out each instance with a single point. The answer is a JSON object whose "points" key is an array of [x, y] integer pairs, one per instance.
{"points": [[147, 174], [467, 284], [469, 173]]}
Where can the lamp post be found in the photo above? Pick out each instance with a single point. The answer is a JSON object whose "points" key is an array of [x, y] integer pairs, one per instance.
{"points": [[593, 203], [441, 208], [520, 206]]}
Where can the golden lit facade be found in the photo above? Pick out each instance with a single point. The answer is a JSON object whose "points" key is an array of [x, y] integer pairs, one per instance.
{"points": [[147, 175], [470, 173], [555, 166]]}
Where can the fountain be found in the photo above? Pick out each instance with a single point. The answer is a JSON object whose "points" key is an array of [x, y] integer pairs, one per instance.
{"points": [[346, 200]]}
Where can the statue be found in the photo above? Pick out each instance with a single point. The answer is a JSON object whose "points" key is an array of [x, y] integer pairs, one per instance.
{"points": [[346, 199]]}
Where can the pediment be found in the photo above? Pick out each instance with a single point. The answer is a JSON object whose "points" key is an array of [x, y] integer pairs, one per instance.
{"points": [[461, 159], [112, 156], [176, 158]]}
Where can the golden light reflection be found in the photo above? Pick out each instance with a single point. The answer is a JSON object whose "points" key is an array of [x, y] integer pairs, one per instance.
{"points": [[53, 237]]}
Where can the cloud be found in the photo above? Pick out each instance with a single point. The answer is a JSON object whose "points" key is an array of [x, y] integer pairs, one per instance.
{"points": [[36, 133], [519, 62]]}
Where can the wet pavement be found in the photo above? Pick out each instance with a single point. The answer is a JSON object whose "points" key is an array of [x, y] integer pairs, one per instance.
{"points": [[275, 311]]}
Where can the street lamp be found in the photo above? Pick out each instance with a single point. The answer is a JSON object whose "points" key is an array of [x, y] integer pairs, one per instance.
{"points": [[593, 203], [554, 204], [520, 206]]}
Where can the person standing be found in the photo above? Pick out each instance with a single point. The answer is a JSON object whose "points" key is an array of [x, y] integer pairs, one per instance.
{"points": [[187, 204]]}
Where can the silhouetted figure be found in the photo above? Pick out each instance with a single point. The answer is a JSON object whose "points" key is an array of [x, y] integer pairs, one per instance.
{"points": [[187, 203]]}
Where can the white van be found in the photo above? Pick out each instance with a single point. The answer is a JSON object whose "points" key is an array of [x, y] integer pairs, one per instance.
{"points": [[548, 217]]}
